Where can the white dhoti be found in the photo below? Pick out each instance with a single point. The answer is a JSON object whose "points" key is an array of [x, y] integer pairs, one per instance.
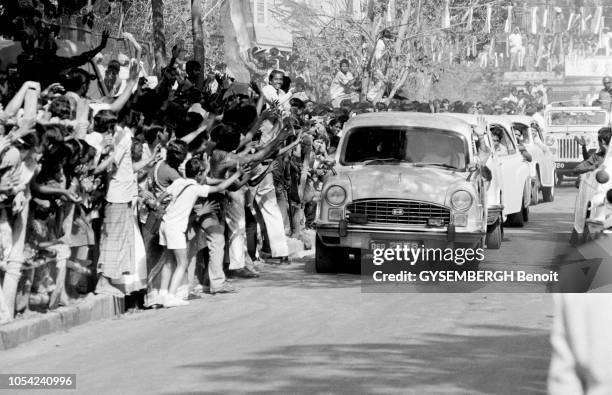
{"points": [[265, 197]]}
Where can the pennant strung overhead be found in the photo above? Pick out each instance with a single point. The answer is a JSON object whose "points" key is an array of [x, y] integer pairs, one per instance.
{"points": [[508, 26], [470, 20], [583, 20], [534, 20], [545, 18], [570, 21], [446, 16], [488, 21], [596, 23], [391, 11], [602, 37]]}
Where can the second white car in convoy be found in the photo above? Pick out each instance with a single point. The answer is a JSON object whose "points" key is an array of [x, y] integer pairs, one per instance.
{"points": [[542, 166], [510, 193]]}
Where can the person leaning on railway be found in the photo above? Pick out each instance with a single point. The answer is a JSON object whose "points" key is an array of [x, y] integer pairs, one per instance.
{"points": [[596, 159], [605, 95]]}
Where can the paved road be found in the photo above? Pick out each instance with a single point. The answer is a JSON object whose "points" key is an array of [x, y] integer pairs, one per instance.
{"points": [[294, 331]]}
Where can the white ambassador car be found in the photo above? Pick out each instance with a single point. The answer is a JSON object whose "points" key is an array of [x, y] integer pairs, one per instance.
{"points": [[593, 210], [542, 166], [509, 195], [401, 177]]}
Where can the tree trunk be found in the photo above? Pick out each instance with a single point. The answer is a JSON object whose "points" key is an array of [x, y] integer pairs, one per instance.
{"points": [[197, 30], [159, 40], [401, 35]]}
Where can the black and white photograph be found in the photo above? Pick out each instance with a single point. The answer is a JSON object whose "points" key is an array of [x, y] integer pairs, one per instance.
{"points": [[306, 197]]}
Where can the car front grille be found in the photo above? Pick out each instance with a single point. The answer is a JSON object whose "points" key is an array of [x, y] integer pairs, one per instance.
{"points": [[396, 211], [568, 149]]}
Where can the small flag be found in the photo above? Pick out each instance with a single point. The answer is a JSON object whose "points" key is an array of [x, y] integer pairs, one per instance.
{"points": [[391, 8], [488, 21], [602, 38], [357, 9], [446, 17], [508, 25], [583, 20], [470, 20], [597, 20], [570, 21], [534, 20], [545, 18]]}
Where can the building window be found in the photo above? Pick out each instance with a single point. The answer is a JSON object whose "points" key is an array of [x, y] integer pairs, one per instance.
{"points": [[261, 11]]}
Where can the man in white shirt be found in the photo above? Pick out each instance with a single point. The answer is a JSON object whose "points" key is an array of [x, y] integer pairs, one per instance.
{"points": [[273, 95], [118, 271], [173, 229]]}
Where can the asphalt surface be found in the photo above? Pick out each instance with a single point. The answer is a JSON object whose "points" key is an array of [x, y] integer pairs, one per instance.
{"points": [[295, 331]]}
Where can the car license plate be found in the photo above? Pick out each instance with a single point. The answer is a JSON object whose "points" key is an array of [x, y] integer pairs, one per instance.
{"points": [[392, 244]]}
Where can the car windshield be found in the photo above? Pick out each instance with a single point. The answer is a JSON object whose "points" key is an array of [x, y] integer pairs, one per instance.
{"points": [[577, 118], [419, 146]]}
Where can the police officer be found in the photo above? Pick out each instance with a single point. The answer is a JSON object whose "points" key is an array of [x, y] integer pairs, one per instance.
{"points": [[605, 95]]}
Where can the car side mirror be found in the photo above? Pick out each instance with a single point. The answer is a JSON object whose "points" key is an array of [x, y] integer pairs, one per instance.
{"points": [[486, 173], [602, 176]]}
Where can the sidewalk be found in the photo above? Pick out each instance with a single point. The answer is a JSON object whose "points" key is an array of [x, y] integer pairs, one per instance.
{"points": [[91, 308]]}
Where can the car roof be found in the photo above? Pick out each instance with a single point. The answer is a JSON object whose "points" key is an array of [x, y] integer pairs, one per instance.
{"points": [[396, 118], [524, 119], [580, 108], [472, 119]]}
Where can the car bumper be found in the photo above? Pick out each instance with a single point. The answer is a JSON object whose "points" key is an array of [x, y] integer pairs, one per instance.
{"points": [[359, 236], [567, 169]]}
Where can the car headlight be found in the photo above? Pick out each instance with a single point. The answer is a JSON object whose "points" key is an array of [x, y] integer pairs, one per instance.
{"points": [[461, 200], [550, 140], [336, 195]]}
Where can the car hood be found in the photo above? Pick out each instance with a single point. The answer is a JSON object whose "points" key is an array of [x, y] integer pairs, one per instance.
{"points": [[402, 182]]}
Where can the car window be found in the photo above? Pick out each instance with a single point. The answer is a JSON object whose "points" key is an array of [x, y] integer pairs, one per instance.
{"points": [[577, 118], [502, 142], [424, 146], [522, 132]]}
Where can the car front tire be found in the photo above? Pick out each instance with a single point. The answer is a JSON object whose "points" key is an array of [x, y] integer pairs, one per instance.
{"points": [[328, 259], [535, 192], [518, 219], [548, 194], [494, 236]]}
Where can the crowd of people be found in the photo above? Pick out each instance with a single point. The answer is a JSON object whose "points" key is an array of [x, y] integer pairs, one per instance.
{"points": [[167, 184], [158, 191], [543, 53]]}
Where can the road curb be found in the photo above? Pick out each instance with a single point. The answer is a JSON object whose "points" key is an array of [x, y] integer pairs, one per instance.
{"points": [[92, 308]]}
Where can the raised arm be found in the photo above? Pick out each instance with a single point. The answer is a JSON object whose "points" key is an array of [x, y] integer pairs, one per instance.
{"points": [[132, 80], [17, 101], [78, 60], [226, 183], [132, 40]]}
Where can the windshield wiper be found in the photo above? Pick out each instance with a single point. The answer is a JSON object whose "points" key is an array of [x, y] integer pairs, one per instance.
{"points": [[444, 165], [384, 160]]}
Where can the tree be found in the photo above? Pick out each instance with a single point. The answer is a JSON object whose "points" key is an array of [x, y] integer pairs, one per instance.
{"points": [[419, 53], [159, 39], [197, 29]]}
